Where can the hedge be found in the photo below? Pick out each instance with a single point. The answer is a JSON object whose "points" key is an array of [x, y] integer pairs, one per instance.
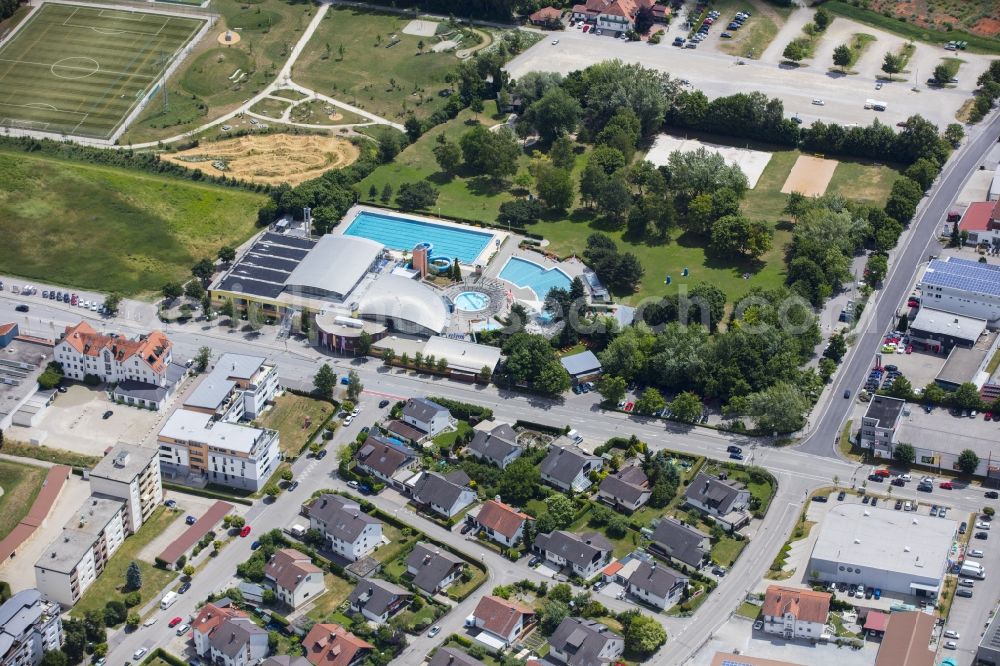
{"points": [[160, 653], [464, 410], [204, 492], [541, 427]]}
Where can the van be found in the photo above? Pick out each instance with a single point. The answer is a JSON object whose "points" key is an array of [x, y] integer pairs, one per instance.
{"points": [[973, 570], [575, 437], [168, 600]]}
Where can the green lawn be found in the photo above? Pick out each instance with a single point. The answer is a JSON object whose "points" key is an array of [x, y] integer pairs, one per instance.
{"points": [[397, 543], [865, 182], [110, 229], [337, 591], [315, 112], [21, 484], [204, 86], [390, 81], [460, 589], [154, 580], [271, 108], [622, 546], [448, 438], [726, 550], [757, 33], [748, 610], [295, 417]]}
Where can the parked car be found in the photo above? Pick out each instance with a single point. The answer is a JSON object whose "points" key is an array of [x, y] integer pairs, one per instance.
{"points": [[992, 494], [184, 588], [878, 592], [733, 449], [899, 505], [952, 645], [983, 535], [435, 630], [352, 484], [245, 532], [866, 499], [963, 528], [975, 553], [140, 653], [841, 495], [183, 629], [534, 561], [962, 592], [383, 404], [947, 485], [107, 415], [982, 525], [255, 545], [21, 308], [736, 456], [719, 571], [758, 625], [174, 622], [860, 592]]}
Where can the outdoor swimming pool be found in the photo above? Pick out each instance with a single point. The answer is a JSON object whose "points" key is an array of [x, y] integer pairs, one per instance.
{"points": [[528, 274], [471, 301], [403, 233]]}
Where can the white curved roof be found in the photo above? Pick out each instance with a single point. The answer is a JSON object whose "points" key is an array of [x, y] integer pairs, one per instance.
{"points": [[397, 297], [336, 264]]}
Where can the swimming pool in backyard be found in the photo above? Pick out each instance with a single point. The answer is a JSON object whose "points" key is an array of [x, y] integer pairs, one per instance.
{"points": [[528, 274], [405, 233]]}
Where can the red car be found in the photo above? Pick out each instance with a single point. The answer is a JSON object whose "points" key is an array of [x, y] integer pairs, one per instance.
{"points": [[174, 622], [988, 416], [884, 473], [909, 349], [946, 485], [245, 532], [629, 406], [586, 28]]}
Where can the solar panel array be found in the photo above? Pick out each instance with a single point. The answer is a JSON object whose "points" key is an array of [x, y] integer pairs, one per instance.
{"points": [[730, 662], [265, 268], [963, 274]]}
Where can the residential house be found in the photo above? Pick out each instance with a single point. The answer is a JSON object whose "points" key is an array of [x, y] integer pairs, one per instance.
{"points": [[349, 531], [378, 599], [680, 543], [585, 554], [130, 473], [617, 16], [497, 446], [793, 612], [453, 657], [227, 636], [501, 620], [332, 645], [568, 468], [547, 17], [30, 626], [879, 425], [501, 523], [723, 500], [285, 660], [626, 490], [578, 642], [657, 585], [432, 569], [446, 495], [385, 460], [294, 577], [421, 420]]}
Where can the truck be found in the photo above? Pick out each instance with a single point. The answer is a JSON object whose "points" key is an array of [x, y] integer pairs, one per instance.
{"points": [[575, 437], [168, 600], [973, 570], [875, 104], [298, 531]]}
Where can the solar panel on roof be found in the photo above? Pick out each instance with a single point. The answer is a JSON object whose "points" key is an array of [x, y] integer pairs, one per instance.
{"points": [[965, 275], [290, 241], [729, 662]]}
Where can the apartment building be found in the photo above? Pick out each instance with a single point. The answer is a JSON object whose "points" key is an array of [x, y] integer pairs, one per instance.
{"points": [[238, 388], [195, 444], [349, 531], [130, 473], [878, 427], [30, 625], [74, 560], [113, 357]]}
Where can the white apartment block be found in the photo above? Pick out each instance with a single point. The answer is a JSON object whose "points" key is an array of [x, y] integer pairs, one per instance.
{"points": [[30, 625], [238, 388], [195, 444], [130, 473], [113, 358], [74, 560]]}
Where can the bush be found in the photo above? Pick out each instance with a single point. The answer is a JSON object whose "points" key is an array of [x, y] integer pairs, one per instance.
{"points": [[464, 411], [132, 599]]}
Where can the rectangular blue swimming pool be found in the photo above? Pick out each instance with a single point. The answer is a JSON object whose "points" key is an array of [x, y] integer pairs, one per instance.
{"points": [[528, 274], [403, 233]]}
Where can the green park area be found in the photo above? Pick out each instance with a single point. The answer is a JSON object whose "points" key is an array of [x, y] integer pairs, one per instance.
{"points": [[296, 417], [363, 58], [112, 229], [21, 484]]}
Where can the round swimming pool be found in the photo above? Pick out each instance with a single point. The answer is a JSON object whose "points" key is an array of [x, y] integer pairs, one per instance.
{"points": [[471, 301]]}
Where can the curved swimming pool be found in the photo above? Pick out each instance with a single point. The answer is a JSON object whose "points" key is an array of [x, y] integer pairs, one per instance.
{"points": [[524, 273], [471, 301]]}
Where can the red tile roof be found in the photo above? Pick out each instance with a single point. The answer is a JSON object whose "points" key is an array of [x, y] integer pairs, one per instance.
{"points": [[501, 518], [876, 621], [546, 14], [151, 348], [500, 616], [6, 328], [977, 216], [805, 605], [211, 616], [332, 645]]}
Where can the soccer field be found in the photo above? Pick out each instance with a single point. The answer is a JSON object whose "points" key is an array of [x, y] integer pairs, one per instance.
{"points": [[80, 70]]}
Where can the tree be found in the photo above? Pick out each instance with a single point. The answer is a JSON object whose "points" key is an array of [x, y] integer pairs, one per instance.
{"points": [[842, 56], [115, 613], [413, 128], [923, 172], [644, 636], [904, 453], [519, 482], [448, 156], [227, 253], [386, 195], [561, 153], [611, 388], [485, 374], [133, 577], [189, 570], [133, 620], [172, 290], [75, 640], [555, 114], [271, 490], [822, 19], [686, 407], [554, 186], [780, 408], [228, 309], [968, 461], [650, 402], [325, 381], [388, 356], [797, 49], [202, 358], [954, 133], [553, 612], [94, 627], [903, 199], [203, 270], [416, 196], [112, 302], [876, 269], [354, 385], [194, 290], [560, 509], [520, 212], [54, 658], [892, 64], [740, 236], [489, 153], [966, 396]]}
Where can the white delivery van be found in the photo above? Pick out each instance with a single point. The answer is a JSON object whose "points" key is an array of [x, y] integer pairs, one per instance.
{"points": [[973, 570], [168, 600]]}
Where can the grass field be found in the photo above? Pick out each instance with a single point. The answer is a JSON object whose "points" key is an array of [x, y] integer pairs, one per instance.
{"points": [[317, 112], [388, 81], [751, 40], [337, 591], [865, 182], [81, 70], [108, 585], [111, 229], [20, 484], [290, 416], [204, 86]]}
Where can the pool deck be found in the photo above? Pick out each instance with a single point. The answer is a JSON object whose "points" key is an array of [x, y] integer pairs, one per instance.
{"points": [[482, 260]]}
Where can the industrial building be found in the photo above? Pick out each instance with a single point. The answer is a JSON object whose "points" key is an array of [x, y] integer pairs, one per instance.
{"points": [[898, 552]]}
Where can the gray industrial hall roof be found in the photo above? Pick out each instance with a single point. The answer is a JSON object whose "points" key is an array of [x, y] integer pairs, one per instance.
{"points": [[336, 264], [582, 363], [941, 322]]}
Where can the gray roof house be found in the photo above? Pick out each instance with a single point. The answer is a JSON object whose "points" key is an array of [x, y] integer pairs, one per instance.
{"points": [[578, 642], [453, 657], [726, 501], [426, 416], [626, 490], [445, 495], [567, 467], [432, 569], [349, 531], [680, 543], [582, 366], [286, 660], [585, 554], [498, 446], [378, 599], [237, 641], [383, 459], [657, 585]]}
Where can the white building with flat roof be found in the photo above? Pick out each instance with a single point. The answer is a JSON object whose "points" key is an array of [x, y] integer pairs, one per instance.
{"points": [[195, 444], [892, 550], [130, 473], [237, 388], [74, 560], [30, 626]]}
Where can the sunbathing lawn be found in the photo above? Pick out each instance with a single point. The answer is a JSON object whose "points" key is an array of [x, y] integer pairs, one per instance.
{"points": [[622, 546], [448, 438], [865, 182], [154, 580], [296, 417], [21, 485], [460, 589], [397, 543], [337, 591], [726, 550]]}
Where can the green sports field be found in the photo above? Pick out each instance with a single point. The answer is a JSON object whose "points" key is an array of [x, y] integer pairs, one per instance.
{"points": [[80, 70]]}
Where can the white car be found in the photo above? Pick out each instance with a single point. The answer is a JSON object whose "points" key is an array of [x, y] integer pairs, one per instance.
{"points": [[348, 420], [951, 633], [355, 411], [819, 102], [138, 654], [951, 645], [554, 42], [975, 553], [183, 629], [150, 622], [982, 526], [905, 477]]}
